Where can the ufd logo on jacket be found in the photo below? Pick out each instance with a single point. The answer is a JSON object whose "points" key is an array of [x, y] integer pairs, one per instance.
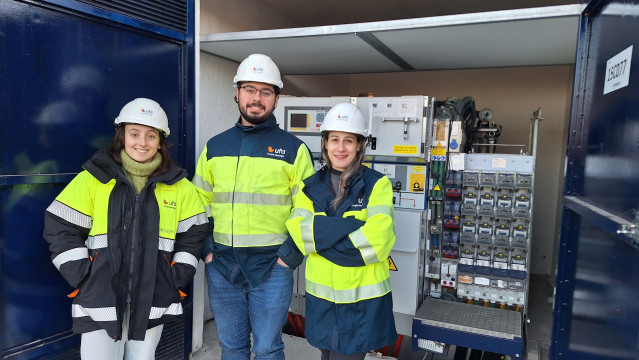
{"points": [[276, 152], [358, 204]]}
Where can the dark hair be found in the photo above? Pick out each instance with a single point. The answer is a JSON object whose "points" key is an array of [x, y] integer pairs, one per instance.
{"points": [[117, 144], [351, 171]]}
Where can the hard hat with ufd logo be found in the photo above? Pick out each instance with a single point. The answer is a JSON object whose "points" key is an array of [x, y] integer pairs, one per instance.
{"points": [[144, 111], [259, 68], [345, 117]]}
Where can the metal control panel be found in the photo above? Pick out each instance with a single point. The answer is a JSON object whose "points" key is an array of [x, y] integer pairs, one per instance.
{"points": [[304, 120], [398, 126], [409, 183], [303, 117]]}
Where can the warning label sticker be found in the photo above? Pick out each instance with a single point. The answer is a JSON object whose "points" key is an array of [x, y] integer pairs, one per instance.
{"points": [[391, 264], [439, 149], [418, 182], [405, 149]]}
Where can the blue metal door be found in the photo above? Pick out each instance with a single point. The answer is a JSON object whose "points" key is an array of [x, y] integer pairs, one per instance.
{"points": [[596, 304], [66, 69]]}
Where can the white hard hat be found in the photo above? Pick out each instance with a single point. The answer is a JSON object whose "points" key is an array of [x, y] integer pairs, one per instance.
{"points": [[259, 68], [144, 111], [345, 117]]}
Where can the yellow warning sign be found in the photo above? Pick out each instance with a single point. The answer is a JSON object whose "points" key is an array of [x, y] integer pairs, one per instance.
{"points": [[418, 182], [418, 169], [437, 188], [439, 152], [391, 264], [405, 149]]}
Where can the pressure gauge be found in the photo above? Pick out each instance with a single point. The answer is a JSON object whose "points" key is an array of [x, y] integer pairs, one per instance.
{"points": [[486, 114]]}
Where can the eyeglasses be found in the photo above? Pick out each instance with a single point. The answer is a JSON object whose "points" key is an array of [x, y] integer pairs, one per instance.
{"points": [[265, 93]]}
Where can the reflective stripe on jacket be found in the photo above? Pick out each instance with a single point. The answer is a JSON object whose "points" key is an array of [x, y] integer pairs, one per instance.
{"points": [[348, 301], [247, 178], [115, 246]]}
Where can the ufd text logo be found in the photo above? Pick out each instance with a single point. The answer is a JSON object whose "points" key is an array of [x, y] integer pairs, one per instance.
{"points": [[276, 151]]}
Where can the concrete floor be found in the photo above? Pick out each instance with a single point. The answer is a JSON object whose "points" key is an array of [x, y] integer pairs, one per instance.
{"points": [[540, 312], [294, 347], [539, 331]]}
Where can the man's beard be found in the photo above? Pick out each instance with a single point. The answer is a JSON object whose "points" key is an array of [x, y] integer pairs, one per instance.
{"points": [[255, 120]]}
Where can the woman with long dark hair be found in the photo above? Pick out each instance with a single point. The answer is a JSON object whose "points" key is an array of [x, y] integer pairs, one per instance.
{"points": [[127, 233]]}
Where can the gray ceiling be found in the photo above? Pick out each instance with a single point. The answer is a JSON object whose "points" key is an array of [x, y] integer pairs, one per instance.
{"points": [[333, 12], [499, 38]]}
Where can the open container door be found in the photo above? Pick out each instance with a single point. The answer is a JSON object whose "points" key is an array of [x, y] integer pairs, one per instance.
{"points": [[66, 69], [596, 307]]}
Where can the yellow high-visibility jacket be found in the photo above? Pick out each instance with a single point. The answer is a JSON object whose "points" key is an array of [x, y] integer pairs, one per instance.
{"points": [[116, 246], [349, 304], [247, 178]]}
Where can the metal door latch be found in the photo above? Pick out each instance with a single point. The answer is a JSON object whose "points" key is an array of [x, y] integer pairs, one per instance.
{"points": [[629, 230]]}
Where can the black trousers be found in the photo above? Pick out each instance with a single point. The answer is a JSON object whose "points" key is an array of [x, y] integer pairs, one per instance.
{"points": [[332, 355]]}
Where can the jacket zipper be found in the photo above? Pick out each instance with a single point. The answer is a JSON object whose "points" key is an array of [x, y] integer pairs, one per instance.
{"points": [[132, 253]]}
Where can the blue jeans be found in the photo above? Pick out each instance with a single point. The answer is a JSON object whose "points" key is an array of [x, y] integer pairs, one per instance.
{"points": [[240, 309]]}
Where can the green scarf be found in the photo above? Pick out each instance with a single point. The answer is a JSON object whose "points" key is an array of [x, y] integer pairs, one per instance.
{"points": [[138, 173]]}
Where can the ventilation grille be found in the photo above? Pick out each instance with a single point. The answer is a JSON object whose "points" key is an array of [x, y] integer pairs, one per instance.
{"points": [[171, 346], [171, 14]]}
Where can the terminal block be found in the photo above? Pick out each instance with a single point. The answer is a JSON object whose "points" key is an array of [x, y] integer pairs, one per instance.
{"points": [[516, 294], [520, 233], [467, 257], [469, 195], [468, 225], [500, 261], [506, 180], [523, 181], [505, 198], [468, 209], [471, 178], [518, 260], [485, 231], [465, 286], [499, 291], [488, 179], [522, 204], [483, 257], [481, 293]]}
